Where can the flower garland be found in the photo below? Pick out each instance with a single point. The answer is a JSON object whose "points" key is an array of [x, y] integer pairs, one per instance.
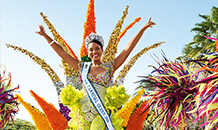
{"points": [[57, 121], [132, 61], [68, 69], [128, 27], [38, 117], [8, 103], [53, 76], [126, 111], [89, 26], [111, 49]]}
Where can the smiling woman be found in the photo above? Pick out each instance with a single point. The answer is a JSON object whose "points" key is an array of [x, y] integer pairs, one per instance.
{"points": [[19, 20], [95, 74]]}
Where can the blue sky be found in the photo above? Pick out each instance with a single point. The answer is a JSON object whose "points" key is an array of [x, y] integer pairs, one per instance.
{"points": [[20, 19]]}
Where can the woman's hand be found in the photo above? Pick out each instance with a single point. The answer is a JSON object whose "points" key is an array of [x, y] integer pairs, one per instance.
{"points": [[41, 30], [58, 49], [149, 24], [118, 61]]}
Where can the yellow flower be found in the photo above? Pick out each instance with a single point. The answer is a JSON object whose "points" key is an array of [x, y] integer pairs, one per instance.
{"points": [[126, 111]]}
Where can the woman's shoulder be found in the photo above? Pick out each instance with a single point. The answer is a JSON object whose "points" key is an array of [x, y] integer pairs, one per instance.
{"points": [[109, 65]]}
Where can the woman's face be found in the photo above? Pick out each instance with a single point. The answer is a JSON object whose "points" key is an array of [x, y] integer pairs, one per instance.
{"points": [[94, 51]]}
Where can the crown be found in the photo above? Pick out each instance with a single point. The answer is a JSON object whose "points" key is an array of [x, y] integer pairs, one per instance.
{"points": [[93, 36]]}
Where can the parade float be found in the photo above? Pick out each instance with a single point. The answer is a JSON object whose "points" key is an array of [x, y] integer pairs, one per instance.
{"points": [[71, 93], [178, 95], [8, 101]]}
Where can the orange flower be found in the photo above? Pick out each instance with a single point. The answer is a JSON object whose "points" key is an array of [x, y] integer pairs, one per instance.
{"points": [[57, 121], [39, 119], [126, 111], [138, 117], [128, 27], [89, 26], [69, 49]]}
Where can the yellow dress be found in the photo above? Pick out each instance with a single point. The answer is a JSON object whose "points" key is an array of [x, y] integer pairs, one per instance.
{"points": [[84, 116], [87, 117]]}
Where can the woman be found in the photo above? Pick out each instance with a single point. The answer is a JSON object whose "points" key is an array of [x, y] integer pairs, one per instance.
{"points": [[96, 77]]}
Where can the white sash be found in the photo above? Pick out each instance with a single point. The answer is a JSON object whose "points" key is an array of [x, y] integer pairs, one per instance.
{"points": [[94, 97]]}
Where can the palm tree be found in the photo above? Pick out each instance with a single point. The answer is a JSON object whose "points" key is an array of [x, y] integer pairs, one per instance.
{"points": [[200, 44]]}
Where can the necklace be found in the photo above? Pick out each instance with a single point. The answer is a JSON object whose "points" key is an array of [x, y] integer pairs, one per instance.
{"points": [[96, 70]]}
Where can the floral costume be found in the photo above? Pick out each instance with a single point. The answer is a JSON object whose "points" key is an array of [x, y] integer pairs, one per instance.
{"points": [[85, 117]]}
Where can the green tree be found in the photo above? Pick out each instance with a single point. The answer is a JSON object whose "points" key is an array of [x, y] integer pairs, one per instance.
{"points": [[20, 124], [200, 44]]}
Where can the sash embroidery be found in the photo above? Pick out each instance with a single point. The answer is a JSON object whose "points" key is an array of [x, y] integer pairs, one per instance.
{"points": [[94, 97]]}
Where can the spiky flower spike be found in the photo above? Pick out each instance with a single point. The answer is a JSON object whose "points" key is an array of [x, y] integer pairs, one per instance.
{"points": [[126, 111], [38, 117], [127, 28], [138, 117], [8, 103], [111, 49], [67, 68], [57, 121], [174, 94], [89, 26], [132, 61], [55, 79]]}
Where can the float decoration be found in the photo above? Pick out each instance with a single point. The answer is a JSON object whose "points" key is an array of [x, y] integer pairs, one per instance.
{"points": [[38, 117], [207, 97], [111, 49], [53, 76], [207, 105], [132, 61], [138, 117], [65, 111], [89, 26], [181, 95], [73, 75], [211, 38], [70, 96], [56, 120], [115, 97], [68, 69], [127, 28], [173, 96], [126, 111], [8, 103]]}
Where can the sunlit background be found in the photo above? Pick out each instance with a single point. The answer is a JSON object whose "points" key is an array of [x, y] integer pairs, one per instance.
{"points": [[20, 20]]}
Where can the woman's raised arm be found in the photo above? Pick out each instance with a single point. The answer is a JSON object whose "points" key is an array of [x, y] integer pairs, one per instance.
{"points": [[118, 61], [58, 49]]}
